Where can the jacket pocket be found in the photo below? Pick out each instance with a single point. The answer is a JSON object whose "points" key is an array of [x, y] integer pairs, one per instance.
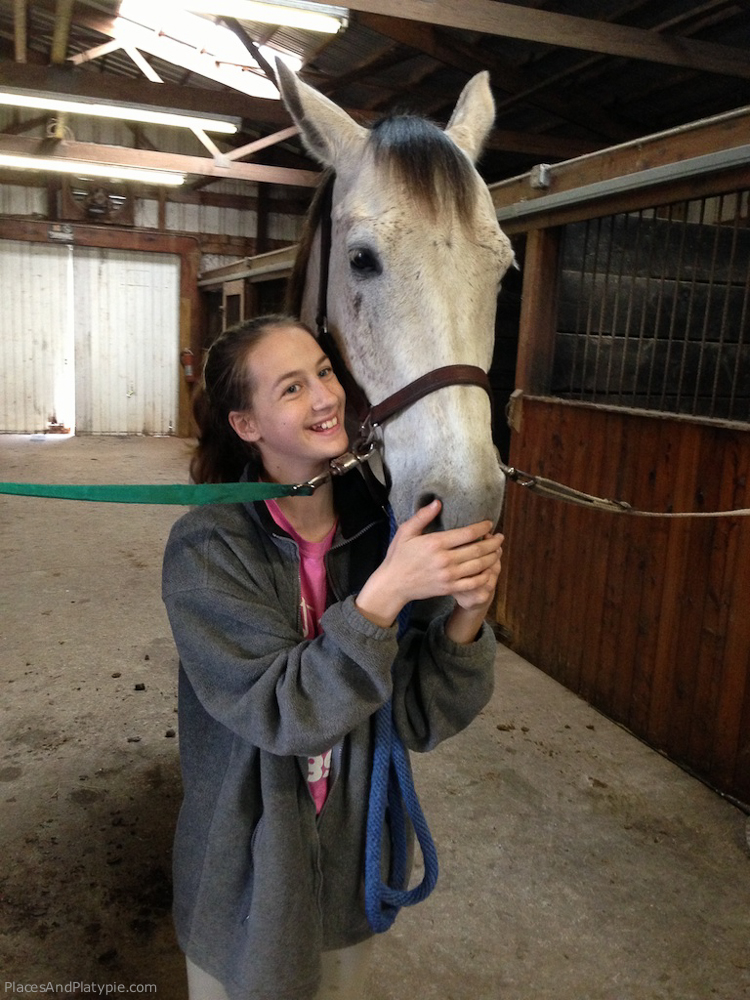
{"points": [[247, 895]]}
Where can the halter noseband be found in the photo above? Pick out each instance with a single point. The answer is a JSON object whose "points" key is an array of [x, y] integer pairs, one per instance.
{"points": [[369, 416]]}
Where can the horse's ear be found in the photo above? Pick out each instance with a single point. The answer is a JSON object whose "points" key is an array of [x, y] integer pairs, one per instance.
{"points": [[325, 129], [474, 114]]}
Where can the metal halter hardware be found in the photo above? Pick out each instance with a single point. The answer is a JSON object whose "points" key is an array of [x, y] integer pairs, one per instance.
{"points": [[370, 417]]}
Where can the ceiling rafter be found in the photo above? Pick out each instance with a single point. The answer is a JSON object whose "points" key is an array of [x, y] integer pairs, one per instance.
{"points": [[63, 19], [508, 78], [20, 30], [689, 22], [90, 152], [394, 55], [493, 17]]}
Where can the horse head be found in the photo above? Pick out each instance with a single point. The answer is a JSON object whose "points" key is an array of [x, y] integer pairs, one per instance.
{"points": [[415, 265]]}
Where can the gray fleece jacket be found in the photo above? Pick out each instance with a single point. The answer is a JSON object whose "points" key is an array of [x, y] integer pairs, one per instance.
{"points": [[262, 884]]}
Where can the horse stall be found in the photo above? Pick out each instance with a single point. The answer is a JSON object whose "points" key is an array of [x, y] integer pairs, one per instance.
{"points": [[632, 383]]}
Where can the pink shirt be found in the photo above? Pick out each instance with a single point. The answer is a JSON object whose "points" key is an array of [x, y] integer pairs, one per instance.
{"points": [[314, 591]]}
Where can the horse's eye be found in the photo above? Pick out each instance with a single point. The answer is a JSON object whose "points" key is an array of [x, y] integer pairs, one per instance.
{"points": [[364, 262]]}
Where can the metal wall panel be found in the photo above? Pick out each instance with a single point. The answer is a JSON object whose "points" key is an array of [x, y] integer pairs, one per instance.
{"points": [[18, 200], [36, 376], [126, 334], [285, 227]]}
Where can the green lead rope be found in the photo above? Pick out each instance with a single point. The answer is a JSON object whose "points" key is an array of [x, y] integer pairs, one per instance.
{"points": [[173, 494]]}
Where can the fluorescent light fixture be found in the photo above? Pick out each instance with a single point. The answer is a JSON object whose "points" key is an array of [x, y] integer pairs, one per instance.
{"points": [[80, 167], [304, 16], [122, 112]]}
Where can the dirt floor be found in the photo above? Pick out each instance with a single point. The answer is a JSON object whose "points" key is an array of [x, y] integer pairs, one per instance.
{"points": [[576, 864]]}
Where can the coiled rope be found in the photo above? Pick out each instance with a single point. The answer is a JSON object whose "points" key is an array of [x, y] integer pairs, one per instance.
{"points": [[392, 798]]}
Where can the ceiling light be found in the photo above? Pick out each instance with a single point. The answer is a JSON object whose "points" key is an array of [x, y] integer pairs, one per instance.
{"points": [[83, 169], [122, 112], [305, 16]]}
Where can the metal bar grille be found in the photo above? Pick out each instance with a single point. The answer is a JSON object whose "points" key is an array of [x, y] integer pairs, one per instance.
{"points": [[654, 309]]}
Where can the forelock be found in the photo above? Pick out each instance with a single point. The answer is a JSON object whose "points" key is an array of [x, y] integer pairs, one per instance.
{"points": [[425, 162]]}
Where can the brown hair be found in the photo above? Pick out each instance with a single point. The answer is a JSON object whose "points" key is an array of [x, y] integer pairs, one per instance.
{"points": [[221, 455]]}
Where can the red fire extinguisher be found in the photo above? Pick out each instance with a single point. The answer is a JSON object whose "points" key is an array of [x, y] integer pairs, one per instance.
{"points": [[186, 360]]}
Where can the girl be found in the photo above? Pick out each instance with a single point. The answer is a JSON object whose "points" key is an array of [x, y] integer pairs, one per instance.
{"points": [[283, 615]]}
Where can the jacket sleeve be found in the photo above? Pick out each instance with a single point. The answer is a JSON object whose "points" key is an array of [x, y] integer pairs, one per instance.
{"points": [[233, 625], [440, 686]]}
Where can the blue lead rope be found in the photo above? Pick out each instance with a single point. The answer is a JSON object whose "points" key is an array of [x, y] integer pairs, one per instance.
{"points": [[392, 797]]}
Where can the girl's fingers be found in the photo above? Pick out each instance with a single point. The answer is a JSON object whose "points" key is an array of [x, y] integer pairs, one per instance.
{"points": [[419, 521], [456, 537], [468, 556]]}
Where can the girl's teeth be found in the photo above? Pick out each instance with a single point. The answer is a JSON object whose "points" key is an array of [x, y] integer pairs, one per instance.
{"points": [[327, 425]]}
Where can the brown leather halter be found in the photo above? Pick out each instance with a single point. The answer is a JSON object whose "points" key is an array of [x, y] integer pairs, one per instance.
{"points": [[368, 416]]}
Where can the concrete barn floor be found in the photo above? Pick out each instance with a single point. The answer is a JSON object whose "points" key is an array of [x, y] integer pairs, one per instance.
{"points": [[576, 864]]}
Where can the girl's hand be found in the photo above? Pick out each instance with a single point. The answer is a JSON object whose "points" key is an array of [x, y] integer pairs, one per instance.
{"points": [[479, 596], [462, 562], [472, 605]]}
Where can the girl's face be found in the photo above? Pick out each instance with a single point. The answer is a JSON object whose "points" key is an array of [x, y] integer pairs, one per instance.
{"points": [[297, 415]]}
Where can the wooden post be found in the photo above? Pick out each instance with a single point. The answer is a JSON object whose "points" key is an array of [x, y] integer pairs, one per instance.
{"points": [[536, 336]]}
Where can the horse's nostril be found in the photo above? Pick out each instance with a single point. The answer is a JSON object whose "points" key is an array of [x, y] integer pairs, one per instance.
{"points": [[436, 524]]}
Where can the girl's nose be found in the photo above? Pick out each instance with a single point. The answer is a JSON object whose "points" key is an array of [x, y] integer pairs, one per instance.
{"points": [[324, 394]]}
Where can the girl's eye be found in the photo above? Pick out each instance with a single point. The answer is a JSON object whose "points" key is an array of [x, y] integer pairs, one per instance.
{"points": [[325, 372], [292, 389]]}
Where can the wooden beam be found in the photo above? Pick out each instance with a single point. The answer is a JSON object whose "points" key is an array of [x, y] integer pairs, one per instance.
{"points": [[90, 152], [490, 17], [425, 38], [552, 147], [721, 132], [536, 336], [61, 34], [96, 53], [20, 30], [257, 144]]}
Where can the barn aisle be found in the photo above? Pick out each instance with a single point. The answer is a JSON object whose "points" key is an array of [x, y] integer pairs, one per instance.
{"points": [[576, 863]]}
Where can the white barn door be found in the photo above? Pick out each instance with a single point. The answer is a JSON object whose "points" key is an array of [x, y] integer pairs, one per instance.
{"points": [[36, 374], [126, 329]]}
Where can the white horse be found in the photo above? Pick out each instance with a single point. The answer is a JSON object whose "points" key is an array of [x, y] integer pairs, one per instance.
{"points": [[415, 265]]}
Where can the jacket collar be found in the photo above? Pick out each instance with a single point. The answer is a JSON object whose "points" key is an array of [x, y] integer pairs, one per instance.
{"points": [[355, 502]]}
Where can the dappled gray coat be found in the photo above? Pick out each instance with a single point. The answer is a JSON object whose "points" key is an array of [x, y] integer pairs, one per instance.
{"points": [[262, 884]]}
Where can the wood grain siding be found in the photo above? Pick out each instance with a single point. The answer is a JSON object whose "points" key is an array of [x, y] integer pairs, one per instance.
{"points": [[648, 620]]}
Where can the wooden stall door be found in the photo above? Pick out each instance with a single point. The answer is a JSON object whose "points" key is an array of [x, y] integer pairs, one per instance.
{"points": [[647, 619]]}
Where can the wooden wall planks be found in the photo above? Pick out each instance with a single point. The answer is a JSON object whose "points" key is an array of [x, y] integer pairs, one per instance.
{"points": [[649, 620]]}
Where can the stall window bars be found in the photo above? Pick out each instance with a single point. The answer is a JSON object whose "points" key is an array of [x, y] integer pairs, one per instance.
{"points": [[654, 309]]}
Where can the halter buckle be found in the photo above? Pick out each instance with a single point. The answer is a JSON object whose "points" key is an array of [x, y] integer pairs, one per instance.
{"points": [[338, 467]]}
